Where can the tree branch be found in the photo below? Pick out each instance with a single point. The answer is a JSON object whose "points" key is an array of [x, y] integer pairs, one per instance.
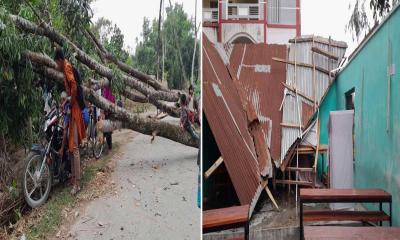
{"points": [[131, 121], [47, 31], [42, 59], [123, 66]]}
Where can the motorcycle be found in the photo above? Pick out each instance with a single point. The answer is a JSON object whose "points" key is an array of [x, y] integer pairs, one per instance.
{"points": [[44, 164]]}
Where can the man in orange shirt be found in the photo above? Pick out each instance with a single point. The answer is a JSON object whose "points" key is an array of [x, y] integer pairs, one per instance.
{"points": [[76, 127]]}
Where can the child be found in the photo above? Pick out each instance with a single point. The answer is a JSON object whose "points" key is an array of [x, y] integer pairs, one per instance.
{"points": [[190, 104], [185, 118]]}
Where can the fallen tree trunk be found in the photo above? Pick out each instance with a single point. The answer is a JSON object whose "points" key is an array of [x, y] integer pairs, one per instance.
{"points": [[131, 121], [45, 60], [81, 56], [140, 124], [134, 96], [123, 66]]}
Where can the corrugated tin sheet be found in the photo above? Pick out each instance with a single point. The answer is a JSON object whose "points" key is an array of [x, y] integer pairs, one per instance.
{"points": [[229, 124], [304, 81], [261, 78]]}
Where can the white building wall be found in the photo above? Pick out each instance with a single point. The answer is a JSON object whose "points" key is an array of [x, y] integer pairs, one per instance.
{"points": [[280, 35], [230, 31], [211, 34]]}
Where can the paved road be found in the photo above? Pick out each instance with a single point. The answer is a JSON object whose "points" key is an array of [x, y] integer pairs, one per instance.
{"points": [[156, 195]]}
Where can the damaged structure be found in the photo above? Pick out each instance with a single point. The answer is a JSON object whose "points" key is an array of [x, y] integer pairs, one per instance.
{"points": [[326, 121], [232, 122], [260, 110], [369, 84], [308, 76]]}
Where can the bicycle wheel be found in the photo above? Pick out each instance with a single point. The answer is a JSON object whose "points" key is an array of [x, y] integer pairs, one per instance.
{"points": [[91, 137], [98, 148]]}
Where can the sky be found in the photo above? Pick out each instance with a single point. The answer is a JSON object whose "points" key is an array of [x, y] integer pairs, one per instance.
{"points": [[319, 17], [328, 18], [129, 14]]}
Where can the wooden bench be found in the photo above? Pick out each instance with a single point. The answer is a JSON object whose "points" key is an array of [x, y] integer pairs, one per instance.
{"points": [[360, 216], [347, 196], [345, 233], [226, 218]]}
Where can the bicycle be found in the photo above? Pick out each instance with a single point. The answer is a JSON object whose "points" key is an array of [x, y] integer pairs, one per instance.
{"points": [[94, 145]]}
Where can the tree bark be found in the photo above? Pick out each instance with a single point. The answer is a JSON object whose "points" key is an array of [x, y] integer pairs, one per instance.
{"points": [[134, 96], [41, 59], [45, 30], [49, 32], [125, 67], [131, 121]]}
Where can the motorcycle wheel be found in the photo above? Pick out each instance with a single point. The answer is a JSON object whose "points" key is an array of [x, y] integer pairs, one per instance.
{"points": [[36, 187]]}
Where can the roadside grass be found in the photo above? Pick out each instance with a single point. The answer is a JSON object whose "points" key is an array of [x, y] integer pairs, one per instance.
{"points": [[61, 198]]}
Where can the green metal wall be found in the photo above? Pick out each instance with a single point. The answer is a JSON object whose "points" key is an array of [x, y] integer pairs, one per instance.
{"points": [[377, 149]]}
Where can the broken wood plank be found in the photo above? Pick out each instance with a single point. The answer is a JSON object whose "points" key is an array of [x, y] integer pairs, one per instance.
{"points": [[322, 148], [294, 169], [271, 197], [324, 53], [313, 78], [316, 151], [294, 182], [210, 171], [225, 216], [294, 90], [291, 125], [301, 65], [265, 186]]}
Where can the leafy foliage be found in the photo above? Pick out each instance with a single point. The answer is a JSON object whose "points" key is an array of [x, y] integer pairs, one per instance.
{"points": [[145, 58], [19, 101], [21, 89], [359, 22], [111, 38]]}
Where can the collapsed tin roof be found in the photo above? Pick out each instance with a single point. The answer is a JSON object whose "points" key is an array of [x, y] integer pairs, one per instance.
{"points": [[259, 101], [262, 79], [234, 125]]}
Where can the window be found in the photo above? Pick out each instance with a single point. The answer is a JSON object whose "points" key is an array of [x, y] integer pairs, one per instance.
{"points": [[281, 12], [350, 95]]}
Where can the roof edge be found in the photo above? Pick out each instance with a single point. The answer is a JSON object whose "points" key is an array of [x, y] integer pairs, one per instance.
{"points": [[319, 39]]}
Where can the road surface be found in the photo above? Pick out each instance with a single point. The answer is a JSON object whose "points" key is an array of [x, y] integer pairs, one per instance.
{"points": [[155, 198]]}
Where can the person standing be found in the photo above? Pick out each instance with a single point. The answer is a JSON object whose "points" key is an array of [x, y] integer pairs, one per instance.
{"points": [[185, 122], [76, 127], [106, 92]]}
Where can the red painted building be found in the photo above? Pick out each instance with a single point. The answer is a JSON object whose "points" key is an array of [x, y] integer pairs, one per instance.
{"points": [[251, 21]]}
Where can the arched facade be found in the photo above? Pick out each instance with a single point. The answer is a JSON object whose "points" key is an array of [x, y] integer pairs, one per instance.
{"points": [[241, 37]]}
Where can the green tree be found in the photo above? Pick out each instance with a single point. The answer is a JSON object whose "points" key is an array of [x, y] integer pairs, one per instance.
{"points": [[111, 38], [145, 58], [178, 39], [21, 89]]}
